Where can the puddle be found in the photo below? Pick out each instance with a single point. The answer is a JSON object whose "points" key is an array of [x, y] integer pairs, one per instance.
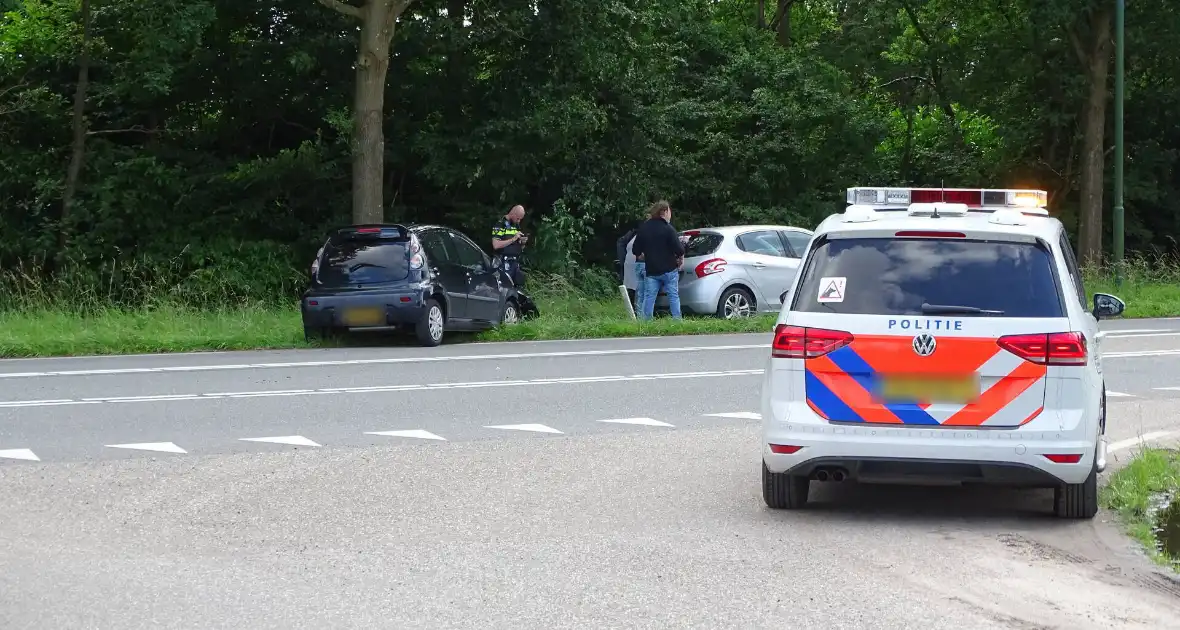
{"points": [[1167, 528]]}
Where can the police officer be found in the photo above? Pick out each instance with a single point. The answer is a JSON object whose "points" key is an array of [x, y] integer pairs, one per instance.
{"points": [[508, 242]]}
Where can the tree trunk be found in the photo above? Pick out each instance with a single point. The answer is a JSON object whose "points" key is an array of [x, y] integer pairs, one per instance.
{"points": [[368, 141], [78, 149], [760, 20], [783, 23], [1095, 58]]}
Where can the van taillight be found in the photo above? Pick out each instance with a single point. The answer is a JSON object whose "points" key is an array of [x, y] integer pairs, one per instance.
{"points": [[796, 342], [1065, 348]]}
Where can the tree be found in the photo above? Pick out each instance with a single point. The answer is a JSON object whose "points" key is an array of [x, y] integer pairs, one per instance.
{"points": [[378, 19], [1091, 38], [78, 145]]}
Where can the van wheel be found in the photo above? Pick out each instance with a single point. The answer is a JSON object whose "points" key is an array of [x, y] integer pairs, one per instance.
{"points": [[1077, 500], [782, 491], [431, 325], [735, 303]]}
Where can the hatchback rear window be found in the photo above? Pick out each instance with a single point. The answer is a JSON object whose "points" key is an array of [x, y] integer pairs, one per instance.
{"points": [[702, 244], [890, 276], [363, 259]]}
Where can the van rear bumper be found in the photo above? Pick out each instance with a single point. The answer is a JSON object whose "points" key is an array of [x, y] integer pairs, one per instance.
{"points": [[900, 455]]}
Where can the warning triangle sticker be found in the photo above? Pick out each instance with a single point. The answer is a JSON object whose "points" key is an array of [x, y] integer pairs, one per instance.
{"points": [[831, 289]]}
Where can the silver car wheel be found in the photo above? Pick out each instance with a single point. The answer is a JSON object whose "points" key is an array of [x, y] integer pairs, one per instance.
{"points": [[510, 315], [434, 323], [736, 305]]}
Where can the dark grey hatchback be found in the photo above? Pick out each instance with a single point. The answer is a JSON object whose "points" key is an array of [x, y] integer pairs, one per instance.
{"points": [[426, 279]]}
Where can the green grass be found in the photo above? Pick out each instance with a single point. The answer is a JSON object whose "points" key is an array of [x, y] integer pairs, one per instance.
{"points": [[55, 332], [50, 331], [1134, 493], [74, 319]]}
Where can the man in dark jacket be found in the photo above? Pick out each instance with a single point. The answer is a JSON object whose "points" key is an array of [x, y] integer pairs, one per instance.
{"points": [[662, 252]]}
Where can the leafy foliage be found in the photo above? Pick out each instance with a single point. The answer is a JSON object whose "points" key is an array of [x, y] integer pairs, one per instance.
{"points": [[219, 143]]}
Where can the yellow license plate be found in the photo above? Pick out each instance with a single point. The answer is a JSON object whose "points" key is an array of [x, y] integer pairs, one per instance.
{"points": [[930, 389], [363, 317]]}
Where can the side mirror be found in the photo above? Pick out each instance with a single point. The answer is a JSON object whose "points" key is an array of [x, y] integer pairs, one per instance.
{"points": [[783, 298], [1106, 305]]}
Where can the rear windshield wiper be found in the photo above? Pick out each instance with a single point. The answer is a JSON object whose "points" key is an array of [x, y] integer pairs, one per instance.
{"points": [[948, 309], [363, 265]]}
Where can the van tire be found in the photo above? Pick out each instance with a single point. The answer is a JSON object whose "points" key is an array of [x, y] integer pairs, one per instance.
{"points": [[1077, 500], [782, 491]]}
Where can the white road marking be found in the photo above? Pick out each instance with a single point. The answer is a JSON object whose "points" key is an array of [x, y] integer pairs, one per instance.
{"points": [[20, 453], [1120, 394], [1136, 441], [740, 415], [575, 380], [1137, 336], [1141, 353], [390, 361], [409, 433], [1124, 331], [162, 447], [650, 422], [538, 428], [293, 440]]}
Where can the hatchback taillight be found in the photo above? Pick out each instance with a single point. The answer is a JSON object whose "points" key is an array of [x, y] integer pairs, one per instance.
{"points": [[1064, 348], [797, 342], [711, 266]]}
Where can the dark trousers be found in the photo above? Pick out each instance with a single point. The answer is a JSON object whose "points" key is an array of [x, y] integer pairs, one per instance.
{"points": [[515, 271]]}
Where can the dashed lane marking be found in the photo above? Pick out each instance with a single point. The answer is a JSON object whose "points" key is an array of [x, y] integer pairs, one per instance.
{"points": [[740, 415], [536, 428], [19, 453], [159, 398], [160, 447], [292, 440], [1120, 395], [650, 422], [409, 433]]}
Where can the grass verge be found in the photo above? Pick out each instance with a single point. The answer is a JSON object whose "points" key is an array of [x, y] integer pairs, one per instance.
{"points": [[56, 332], [42, 332], [1136, 492], [50, 325]]}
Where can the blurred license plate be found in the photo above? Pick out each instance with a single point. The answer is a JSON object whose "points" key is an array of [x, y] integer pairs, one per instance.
{"points": [[930, 389], [363, 317]]}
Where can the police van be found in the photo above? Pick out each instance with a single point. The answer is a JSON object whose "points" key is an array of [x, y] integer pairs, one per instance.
{"points": [[938, 335]]}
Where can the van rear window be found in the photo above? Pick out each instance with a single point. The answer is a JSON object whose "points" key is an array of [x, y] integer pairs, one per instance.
{"points": [[892, 276]]}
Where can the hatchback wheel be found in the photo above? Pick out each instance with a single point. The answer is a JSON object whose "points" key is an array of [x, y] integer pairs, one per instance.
{"points": [[510, 315], [735, 302], [430, 327]]}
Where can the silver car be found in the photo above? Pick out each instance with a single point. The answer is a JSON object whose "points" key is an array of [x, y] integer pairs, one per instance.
{"points": [[734, 271]]}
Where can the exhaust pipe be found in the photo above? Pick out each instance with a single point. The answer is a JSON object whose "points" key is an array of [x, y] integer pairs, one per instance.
{"points": [[821, 475], [839, 475]]}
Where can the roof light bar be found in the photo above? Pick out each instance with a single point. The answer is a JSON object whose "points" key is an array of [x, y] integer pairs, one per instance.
{"points": [[1031, 202]]}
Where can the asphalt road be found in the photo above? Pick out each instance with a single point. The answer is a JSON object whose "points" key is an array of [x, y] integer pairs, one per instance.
{"points": [[630, 498]]}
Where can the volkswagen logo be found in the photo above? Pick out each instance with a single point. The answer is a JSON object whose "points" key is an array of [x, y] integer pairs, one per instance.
{"points": [[924, 345]]}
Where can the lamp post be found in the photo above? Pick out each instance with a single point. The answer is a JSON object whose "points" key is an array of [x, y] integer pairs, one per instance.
{"points": [[1119, 37]]}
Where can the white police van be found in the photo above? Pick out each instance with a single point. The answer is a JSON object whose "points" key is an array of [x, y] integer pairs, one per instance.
{"points": [[938, 335]]}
